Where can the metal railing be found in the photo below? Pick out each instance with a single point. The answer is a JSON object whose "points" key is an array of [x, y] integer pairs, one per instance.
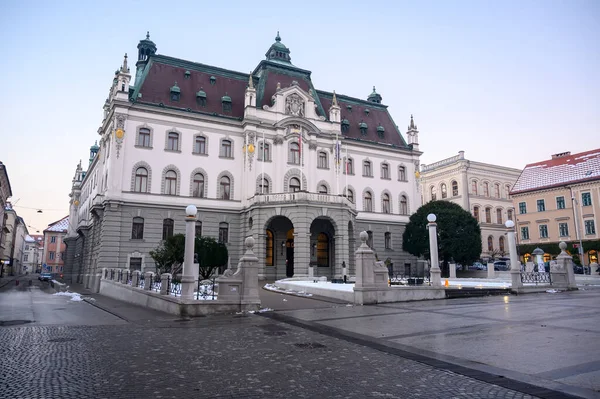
{"points": [[536, 277], [174, 288], [120, 275], [206, 289], [112, 274], [141, 281], [156, 283], [300, 196]]}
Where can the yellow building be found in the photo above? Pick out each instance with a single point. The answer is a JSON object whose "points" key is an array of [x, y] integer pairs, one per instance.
{"points": [[559, 200]]}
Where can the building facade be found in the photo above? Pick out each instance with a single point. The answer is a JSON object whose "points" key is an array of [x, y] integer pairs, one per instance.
{"points": [[54, 246], [31, 260], [5, 194], [263, 154], [479, 188], [559, 200]]}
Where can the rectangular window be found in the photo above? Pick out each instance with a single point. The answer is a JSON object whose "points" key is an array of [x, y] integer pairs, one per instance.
{"points": [[137, 229], [135, 264], [264, 153], [226, 149], [52, 255], [388, 240], [173, 142], [385, 171], [586, 199], [590, 228], [25, 258], [524, 233], [322, 161], [144, 137], [224, 233], [509, 214], [200, 145], [543, 231], [522, 208], [198, 229], [53, 239], [541, 205], [563, 229], [560, 202], [367, 168]]}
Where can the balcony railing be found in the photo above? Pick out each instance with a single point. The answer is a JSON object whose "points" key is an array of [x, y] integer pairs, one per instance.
{"points": [[300, 196]]}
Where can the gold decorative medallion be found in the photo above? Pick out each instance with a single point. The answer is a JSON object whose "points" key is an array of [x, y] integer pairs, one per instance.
{"points": [[76, 203], [251, 148], [119, 133]]}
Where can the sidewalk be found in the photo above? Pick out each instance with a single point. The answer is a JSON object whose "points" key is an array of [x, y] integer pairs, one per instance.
{"points": [[7, 280]]}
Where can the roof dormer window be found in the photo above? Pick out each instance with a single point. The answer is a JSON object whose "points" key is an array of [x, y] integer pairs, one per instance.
{"points": [[363, 128], [380, 131], [226, 101], [187, 75], [345, 126], [201, 98], [213, 80], [175, 92]]}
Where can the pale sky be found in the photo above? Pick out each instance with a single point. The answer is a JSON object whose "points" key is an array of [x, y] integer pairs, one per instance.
{"points": [[508, 82]]}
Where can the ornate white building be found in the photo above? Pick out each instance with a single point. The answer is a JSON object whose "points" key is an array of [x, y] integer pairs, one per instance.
{"points": [[262, 154], [479, 188]]}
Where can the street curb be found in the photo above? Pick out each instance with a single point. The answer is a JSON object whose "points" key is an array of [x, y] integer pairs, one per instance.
{"points": [[8, 282], [92, 301], [491, 377]]}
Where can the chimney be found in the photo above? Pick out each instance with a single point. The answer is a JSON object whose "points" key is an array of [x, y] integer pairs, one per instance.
{"points": [[561, 155]]}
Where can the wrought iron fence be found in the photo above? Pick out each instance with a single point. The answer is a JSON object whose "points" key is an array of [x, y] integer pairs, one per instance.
{"points": [[128, 276], [120, 275], [112, 274], [141, 281], [105, 273], [174, 287], [156, 283], [536, 277], [206, 289]]}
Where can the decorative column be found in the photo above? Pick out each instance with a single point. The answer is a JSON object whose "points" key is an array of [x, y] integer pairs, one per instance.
{"points": [[188, 274], [564, 268], [436, 273], [515, 265]]}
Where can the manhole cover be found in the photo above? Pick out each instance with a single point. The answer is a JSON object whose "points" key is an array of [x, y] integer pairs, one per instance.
{"points": [[310, 345], [275, 333], [61, 340], [14, 322]]}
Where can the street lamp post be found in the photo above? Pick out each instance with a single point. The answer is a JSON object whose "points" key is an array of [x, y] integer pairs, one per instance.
{"points": [[577, 232], [436, 273], [189, 273]]}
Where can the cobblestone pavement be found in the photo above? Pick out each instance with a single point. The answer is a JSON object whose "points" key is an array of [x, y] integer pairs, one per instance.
{"points": [[222, 357]]}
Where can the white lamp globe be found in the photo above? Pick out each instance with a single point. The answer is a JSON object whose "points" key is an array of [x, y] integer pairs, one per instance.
{"points": [[509, 224], [431, 218], [191, 210]]}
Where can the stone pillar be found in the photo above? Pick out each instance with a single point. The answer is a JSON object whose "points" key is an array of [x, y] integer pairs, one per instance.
{"points": [[69, 264], [436, 273], [341, 251], [189, 275], [452, 270], [515, 265], [165, 280], [564, 268], [491, 273], [371, 276], [109, 239], [261, 253], [594, 268], [529, 266], [249, 265], [148, 280], [135, 278], [301, 248]]}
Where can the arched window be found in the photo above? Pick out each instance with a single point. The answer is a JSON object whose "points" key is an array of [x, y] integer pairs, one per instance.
{"points": [[264, 153], [350, 195], [385, 171], [403, 205], [497, 190], [367, 169], [143, 137], [223, 232], [295, 184], [264, 186], [488, 215], [501, 245], [225, 184], [509, 214], [385, 203], [401, 173], [294, 153], [454, 188], [349, 166], [171, 182], [226, 149], [368, 205], [433, 193], [490, 243], [388, 240], [269, 259], [474, 187], [322, 161], [499, 216], [198, 185], [168, 226], [141, 180], [173, 141], [322, 250], [444, 190], [507, 190], [486, 189], [200, 145], [137, 229], [322, 189], [476, 213]]}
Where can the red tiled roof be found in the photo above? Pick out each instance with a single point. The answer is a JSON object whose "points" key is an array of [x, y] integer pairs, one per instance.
{"points": [[569, 169]]}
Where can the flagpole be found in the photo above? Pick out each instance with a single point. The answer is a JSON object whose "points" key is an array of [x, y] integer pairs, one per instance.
{"points": [[346, 169], [338, 153], [262, 178]]}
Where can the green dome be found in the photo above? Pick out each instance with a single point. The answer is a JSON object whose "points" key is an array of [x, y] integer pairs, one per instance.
{"points": [[95, 147]]}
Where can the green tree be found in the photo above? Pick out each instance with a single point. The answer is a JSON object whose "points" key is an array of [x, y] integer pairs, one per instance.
{"points": [[168, 256], [459, 235], [211, 255]]}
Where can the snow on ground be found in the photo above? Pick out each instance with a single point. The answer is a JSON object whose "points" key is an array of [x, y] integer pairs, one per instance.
{"points": [[75, 297], [272, 287]]}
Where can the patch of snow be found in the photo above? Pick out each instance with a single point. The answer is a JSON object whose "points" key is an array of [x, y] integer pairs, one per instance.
{"points": [[272, 287], [75, 297], [552, 291]]}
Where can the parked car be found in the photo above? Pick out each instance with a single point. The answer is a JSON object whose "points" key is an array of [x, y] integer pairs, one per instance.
{"points": [[501, 266], [45, 277], [478, 266], [577, 269]]}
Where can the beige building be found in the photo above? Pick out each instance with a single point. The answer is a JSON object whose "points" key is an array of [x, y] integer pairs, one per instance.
{"points": [[559, 200], [480, 188]]}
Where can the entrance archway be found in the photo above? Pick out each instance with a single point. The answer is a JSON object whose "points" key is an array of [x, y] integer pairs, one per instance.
{"points": [[322, 247], [279, 255]]}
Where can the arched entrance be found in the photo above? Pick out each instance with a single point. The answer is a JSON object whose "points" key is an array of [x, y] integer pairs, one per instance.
{"points": [[279, 256], [322, 247]]}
